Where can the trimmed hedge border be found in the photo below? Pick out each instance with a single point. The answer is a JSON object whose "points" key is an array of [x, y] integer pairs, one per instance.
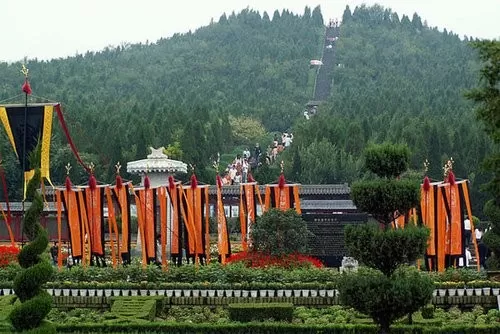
{"points": [[261, 328], [247, 312], [97, 292], [105, 302]]}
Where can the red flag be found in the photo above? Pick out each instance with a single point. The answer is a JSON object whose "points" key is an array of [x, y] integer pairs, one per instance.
{"points": [[26, 87]]}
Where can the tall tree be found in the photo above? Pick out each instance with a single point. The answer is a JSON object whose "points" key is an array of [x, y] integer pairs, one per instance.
{"points": [[487, 96], [389, 290]]}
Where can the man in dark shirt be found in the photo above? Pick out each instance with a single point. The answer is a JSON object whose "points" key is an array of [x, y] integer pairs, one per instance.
{"points": [[54, 250]]}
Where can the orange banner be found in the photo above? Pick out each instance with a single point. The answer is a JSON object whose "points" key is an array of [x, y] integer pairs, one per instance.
{"points": [[442, 229], [455, 220], [222, 244], [112, 227], [194, 196], [147, 202], [428, 217], [74, 224], [267, 199], [162, 198], [123, 202], [296, 199], [141, 218], [174, 229], [207, 226], [93, 200], [243, 220], [85, 230], [188, 217], [59, 229], [259, 198], [282, 198]]}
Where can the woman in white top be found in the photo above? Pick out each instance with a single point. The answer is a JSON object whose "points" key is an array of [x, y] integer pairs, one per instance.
{"points": [[479, 234]]}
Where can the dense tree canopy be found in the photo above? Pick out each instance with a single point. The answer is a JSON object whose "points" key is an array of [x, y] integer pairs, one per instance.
{"points": [[195, 89], [398, 80], [487, 96], [402, 81]]}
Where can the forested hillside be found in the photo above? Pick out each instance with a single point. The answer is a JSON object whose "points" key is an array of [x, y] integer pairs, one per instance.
{"points": [[235, 82], [191, 91], [399, 80]]}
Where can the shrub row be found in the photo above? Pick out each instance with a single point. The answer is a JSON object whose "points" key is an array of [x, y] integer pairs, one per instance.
{"points": [[213, 273], [246, 312], [258, 328], [216, 273]]}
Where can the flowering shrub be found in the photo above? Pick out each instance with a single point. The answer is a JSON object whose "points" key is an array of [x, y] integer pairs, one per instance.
{"points": [[289, 261], [8, 254]]}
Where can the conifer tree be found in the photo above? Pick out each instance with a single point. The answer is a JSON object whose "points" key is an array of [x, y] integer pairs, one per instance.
{"points": [[487, 95]]}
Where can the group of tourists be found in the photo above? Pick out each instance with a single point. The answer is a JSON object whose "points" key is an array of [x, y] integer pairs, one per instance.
{"points": [[278, 145], [482, 248], [238, 170]]}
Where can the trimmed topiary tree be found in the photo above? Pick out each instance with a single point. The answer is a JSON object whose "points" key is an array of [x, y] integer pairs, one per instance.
{"points": [[279, 232], [36, 303], [390, 290], [386, 298], [387, 195], [385, 250]]}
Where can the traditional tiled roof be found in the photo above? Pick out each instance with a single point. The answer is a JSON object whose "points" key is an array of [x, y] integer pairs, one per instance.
{"points": [[156, 162], [304, 189]]}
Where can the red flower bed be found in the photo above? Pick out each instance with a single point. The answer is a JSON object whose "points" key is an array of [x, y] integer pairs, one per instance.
{"points": [[8, 254], [259, 260]]}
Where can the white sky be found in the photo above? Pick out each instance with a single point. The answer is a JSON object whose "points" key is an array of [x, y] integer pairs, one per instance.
{"points": [[46, 29]]}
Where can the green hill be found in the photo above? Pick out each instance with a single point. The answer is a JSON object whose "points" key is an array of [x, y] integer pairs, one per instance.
{"points": [[397, 80], [394, 79], [181, 89]]}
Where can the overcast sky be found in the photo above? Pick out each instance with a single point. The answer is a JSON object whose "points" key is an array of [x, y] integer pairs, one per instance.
{"points": [[48, 29]]}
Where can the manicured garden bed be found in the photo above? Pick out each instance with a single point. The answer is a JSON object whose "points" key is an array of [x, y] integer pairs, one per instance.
{"points": [[333, 319]]}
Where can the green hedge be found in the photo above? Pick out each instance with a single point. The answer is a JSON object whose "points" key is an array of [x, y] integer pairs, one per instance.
{"points": [[135, 307], [267, 328], [246, 312], [202, 275]]}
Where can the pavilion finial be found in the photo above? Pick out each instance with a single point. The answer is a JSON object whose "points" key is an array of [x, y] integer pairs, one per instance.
{"points": [[25, 71], [426, 165], [192, 167], [448, 167], [92, 167], [118, 166], [68, 168]]}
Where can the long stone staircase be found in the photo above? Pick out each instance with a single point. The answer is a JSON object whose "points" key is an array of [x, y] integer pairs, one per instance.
{"points": [[324, 76]]}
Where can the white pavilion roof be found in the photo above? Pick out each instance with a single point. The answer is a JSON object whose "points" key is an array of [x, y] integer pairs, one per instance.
{"points": [[157, 162]]}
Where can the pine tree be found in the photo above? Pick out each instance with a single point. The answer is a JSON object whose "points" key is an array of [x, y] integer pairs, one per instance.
{"points": [[487, 96]]}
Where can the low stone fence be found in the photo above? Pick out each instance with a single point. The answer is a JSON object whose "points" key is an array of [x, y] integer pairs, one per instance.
{"points": [[102, 298]]}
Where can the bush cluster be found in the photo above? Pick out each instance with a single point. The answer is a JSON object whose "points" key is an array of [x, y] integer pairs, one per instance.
{"points": [[247, 312], [387, 290], [212, 273], [35, 302]]}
